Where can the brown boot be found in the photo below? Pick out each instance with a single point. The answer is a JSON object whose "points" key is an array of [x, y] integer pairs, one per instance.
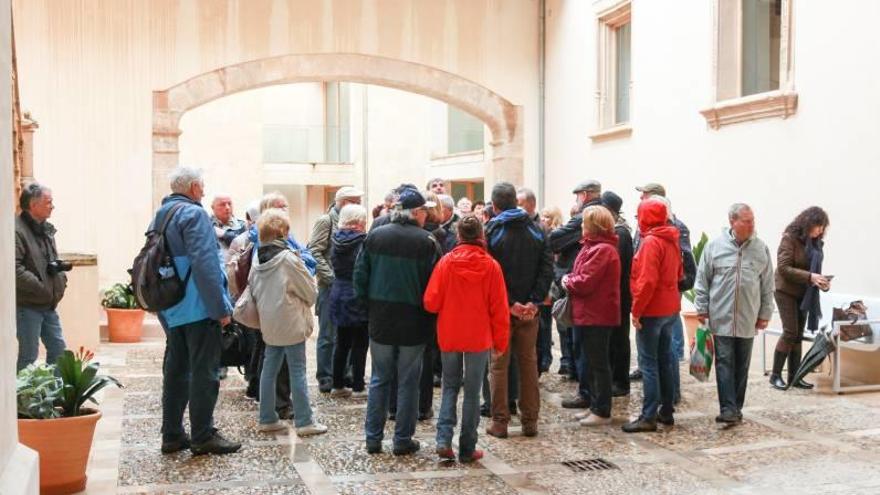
{"points": [[530, 430], [497, 430]]}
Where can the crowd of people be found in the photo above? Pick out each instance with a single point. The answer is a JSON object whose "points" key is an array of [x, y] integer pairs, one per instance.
{"points": [[452, 294]]}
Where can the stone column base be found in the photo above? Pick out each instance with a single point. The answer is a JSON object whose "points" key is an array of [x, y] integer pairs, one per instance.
{"points": [[21, 475]]}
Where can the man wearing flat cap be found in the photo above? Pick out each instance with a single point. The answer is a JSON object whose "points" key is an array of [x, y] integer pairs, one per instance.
{"points": [[565, 243], [319, 245]]}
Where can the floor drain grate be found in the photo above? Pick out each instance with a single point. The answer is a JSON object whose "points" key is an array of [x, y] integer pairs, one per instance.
{"points": [[586, 465]]}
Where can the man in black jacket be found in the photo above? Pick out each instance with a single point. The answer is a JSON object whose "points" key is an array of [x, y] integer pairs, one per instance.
{"points": [[39, 278], [565, 242], [620, 345], [520, 247]]}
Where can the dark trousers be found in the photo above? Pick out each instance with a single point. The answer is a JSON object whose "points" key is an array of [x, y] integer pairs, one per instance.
{"points": [[282, 384], [354, 340], [189, 376], [793, 322], [620, 353], [545, 339], [595, 343], [581, 361], [426, 380], [732, 358], [566, 347]]}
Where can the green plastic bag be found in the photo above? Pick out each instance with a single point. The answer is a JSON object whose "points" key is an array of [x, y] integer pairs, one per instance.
{"points": [[702, 354]]}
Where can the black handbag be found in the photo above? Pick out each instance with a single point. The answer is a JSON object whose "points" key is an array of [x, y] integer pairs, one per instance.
{"points": [[236, 350]]}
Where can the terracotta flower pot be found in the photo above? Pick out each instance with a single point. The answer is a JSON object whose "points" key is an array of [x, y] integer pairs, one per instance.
{"points": [[64, 445], [690, 324], [125, 325]]}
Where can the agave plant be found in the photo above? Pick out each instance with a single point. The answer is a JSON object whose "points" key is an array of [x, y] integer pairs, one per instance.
{"points": [[119, 296], [60, 389], [698, 255]]}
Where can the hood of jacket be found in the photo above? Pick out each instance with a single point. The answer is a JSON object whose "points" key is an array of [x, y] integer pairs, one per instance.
{"points": [[470, 262], [654, 221], [345, 241]]}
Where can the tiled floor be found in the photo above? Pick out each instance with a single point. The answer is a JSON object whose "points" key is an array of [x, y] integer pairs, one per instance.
{"points": [[791, 442]]}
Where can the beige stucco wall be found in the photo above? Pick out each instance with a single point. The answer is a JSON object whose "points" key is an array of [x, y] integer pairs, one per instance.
{"points": [[826, 154], [88, 68]]}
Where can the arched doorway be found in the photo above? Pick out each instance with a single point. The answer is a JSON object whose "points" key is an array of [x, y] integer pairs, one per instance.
{"points": [[502, 117]]}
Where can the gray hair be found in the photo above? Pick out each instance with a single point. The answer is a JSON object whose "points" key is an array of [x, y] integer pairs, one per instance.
{"points": [[735, 209], [528, 193], [352, 214], [402, 215], [447, 201], [665, 201], [31, 192], [219, 196], [182, 179], [269, 200]]}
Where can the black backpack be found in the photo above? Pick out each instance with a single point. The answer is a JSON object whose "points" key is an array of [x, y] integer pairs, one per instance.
{"points": [[154, 279], [690, 271]]}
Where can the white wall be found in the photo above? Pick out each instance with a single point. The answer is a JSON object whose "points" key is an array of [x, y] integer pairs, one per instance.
{"points": [[825, 154]]}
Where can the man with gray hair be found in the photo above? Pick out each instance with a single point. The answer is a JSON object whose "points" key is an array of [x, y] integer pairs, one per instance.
{"points": [[734, 292], [193, 325], [226, 226], [319, 245], [39, 278], [446, 235]]}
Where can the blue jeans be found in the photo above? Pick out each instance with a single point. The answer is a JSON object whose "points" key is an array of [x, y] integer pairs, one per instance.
{"points": [[326, 335], [677, 344], [189, 376], [656, 362], [33, 325], [545, 339], [407, 361], [461, 368], [299, 391], [733, 356], [581, 362]]}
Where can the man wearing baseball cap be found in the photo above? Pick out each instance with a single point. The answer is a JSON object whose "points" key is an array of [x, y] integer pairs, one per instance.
{"points": [[319, 245], [391, 274]]}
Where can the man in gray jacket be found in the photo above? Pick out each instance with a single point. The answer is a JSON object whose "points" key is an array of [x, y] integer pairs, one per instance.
{"points": [[734, 292], [39, 278], [319, 245]]}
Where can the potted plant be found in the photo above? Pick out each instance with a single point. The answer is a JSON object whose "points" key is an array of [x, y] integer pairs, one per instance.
{"points": [[53, 421], [690, 317], [125, 318]]}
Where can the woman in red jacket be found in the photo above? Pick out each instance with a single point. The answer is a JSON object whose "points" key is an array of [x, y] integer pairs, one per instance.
{"points": [[468, 293], [656, 270], [594, 290]]}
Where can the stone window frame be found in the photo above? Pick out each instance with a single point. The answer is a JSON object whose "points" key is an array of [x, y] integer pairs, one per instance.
{"points": [[779, 103], [610, 15]]}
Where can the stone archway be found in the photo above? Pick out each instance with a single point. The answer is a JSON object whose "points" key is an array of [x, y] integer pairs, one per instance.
{"points": [[503, 118]]}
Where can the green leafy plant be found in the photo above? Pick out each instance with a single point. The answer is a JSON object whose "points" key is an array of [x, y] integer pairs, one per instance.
{"points": [[690, 295], [61, 389], [119, 296], [38, 389]]}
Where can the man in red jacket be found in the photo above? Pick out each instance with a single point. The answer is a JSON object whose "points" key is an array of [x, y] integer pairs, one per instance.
{"points": [[656, 271], [467, 291]]}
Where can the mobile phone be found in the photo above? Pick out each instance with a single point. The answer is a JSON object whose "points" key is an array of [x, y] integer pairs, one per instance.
{"points": [[829, 277]]}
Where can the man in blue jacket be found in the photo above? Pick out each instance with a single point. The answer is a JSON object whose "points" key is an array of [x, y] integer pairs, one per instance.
{"points": [[193, 326]]}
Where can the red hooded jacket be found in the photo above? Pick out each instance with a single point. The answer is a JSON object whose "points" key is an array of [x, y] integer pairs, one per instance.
{"points": [[656, 267], [594, 283], [467, 292]]}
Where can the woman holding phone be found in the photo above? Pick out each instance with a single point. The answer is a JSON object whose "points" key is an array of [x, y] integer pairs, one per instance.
{"points": [[798, 282]]}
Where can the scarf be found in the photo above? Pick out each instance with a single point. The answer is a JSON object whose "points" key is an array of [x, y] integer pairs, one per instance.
{"points": [[810, 303]]}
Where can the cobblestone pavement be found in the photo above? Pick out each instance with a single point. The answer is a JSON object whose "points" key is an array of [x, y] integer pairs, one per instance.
{"points": [[790, 442]]}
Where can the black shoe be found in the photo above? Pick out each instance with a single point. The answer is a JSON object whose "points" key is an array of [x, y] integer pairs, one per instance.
{"points": [[730, 418], [406, 448], [666, 420], [777, 383], [424, 416], [576, 402], [619, 391], [486, 411], [438, 380], [215, 445], [374, 448], [564, 370], [639, 425], [325, 385], [348, 381], [252, 395], [512, 407], [285, 413], [802, 384], [173, 446], [636, 374]]}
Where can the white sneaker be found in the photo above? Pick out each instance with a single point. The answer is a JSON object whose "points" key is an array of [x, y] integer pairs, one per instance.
{"points": [[594, 420], [359, 395], [582, 414], [340, 393], [267, 427], [312, 429]]}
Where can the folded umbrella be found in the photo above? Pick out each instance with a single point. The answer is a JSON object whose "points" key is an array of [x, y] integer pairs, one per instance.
{"points": [[823, 346]]}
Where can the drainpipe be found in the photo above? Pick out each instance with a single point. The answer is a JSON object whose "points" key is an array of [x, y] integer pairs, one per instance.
{"points": [[541, 75], [364, 152]]}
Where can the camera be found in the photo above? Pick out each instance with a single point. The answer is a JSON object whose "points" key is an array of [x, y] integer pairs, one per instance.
{"points": [[57, 266]]}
